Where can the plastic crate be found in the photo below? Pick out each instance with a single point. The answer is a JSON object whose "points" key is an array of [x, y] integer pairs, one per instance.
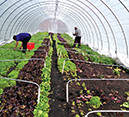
{"points": [[30, 45]]}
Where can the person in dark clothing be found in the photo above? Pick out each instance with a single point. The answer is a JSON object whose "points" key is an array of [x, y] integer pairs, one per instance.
{"points": [[78, 37], [24, 37]]}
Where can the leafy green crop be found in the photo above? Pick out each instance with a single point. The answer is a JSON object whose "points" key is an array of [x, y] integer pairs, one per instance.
{"points": [[1, 91], [11, 68], [42, 108], [95, 102], [117, 71], [69, 66], [13, 74], [67, 37], [6, 83], [125, 104]]}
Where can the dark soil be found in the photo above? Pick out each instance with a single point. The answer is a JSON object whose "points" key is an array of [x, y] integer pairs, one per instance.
{"points": [[111, 93], [58, 105], [20, 100]]}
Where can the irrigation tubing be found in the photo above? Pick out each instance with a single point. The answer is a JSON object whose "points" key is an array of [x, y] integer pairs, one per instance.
{"points": [[21, 49], [26, 82], [71, 49], [79, 53], [106, 111], [25, 49], [90, 63], [96, 79], [62, 49], [25, 59]]}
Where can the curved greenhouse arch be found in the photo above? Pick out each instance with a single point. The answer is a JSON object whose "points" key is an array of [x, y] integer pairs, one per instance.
{"points": [[103, 28]]}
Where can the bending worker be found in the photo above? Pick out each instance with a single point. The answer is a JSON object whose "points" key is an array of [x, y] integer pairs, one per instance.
{"points": [[24, 37], [78, 37]]}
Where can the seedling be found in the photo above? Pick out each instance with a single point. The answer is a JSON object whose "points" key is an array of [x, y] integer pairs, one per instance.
{"points": [[85, 88], [82, 113], [77, 115], [83, 84], [125, 104], [81, 91], [78, 84], [127, 93], [73, 111], [88, 91], [73, 103], [117, 71], [99, 114], [1, 91], [95, 102], [89, 109]]}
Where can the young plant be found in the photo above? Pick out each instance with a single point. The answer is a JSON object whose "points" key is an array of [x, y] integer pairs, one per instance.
{"points": [[95, 102], [125, 104], [99, 114], [88, 91], [117, 71], [127, 93], [1, 91], [77, 115], [81, 91], [73, 103], [83, 84], [81, 113], [78, 84]]}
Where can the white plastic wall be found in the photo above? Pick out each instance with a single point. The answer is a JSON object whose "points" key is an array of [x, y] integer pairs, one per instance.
{"points": [[104, 23]]}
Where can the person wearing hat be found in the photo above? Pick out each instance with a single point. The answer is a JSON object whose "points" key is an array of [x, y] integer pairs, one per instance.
{"points": [[77, 35], [24, 38]]}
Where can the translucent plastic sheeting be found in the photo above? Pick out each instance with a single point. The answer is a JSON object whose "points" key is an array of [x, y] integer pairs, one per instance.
{"points": [[104, 24]]}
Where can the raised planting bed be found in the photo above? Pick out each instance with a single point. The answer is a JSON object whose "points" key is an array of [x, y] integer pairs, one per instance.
{"points": [[97, 94], [90, 69], [115, 91], [21, 99]]}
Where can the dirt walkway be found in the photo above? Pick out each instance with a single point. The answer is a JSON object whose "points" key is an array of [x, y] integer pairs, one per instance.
{"points": [[57, 103]]}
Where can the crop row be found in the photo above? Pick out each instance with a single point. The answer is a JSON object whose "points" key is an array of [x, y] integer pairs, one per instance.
{"points": [[12, 61], [84, 96], [20, 95]]}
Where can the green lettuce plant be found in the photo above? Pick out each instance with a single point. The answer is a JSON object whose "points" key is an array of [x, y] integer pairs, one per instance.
{"points": [[95, 102], [117, 71], [125, 104], [42, 109]]}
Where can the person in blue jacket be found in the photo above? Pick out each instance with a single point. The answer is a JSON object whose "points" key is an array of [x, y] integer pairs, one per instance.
{"points": [[24, 38]]}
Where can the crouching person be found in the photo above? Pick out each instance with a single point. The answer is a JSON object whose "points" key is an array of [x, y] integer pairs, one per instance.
{"points": [[24, 38]]}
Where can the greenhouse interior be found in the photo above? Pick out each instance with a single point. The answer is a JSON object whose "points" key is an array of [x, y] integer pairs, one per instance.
{"points": [[64, 58]]}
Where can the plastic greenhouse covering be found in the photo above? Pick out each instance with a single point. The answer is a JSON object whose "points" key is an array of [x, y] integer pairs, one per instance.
{"points": [[104, 23], [52, 76]]}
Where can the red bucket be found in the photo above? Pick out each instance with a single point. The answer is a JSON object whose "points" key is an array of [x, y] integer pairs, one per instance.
{"points": [[30, 45]]}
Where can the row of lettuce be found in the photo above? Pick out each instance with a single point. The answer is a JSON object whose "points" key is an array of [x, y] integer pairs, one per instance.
{"points": [[86, 51], [70, 68], [42, 108], [7, 53], [93, 56], [12, 61]]}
